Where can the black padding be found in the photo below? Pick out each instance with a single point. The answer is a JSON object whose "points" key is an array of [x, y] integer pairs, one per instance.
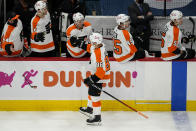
{"points": [[7, 49], [93, 91]]}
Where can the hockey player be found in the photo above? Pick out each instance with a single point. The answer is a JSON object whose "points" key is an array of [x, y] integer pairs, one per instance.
{"points": [[42, 43], [12, 41], [124, 47], [79, 32], [171, 47], [100, 74]]}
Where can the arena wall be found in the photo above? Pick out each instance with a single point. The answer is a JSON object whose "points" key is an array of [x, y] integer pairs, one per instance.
{"points": [[148, 85]]}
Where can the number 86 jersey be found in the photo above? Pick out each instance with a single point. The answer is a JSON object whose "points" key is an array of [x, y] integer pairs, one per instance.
{"points": [[124, 48], [100, 65]]}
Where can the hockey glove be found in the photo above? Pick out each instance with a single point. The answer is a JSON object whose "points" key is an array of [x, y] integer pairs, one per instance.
{"points": [[177, 51], [83, 38], [76, 42], [39, 37], [8, 49], [91, 80], [185, 40], [192, 38]]}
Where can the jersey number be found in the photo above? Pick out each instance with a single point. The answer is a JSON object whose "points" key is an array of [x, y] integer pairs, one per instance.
{"points": [[117, 47], [107, 64], [162, 40]]}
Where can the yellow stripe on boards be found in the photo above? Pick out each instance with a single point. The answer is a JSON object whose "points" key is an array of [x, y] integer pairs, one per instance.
{"points": [[191, 105], [73, 105]]}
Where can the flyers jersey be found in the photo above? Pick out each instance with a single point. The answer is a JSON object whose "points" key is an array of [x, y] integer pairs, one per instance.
{"points": [[171, 40], [12, 35], [38, 25], [73, 31], [124, 48], [100, 65]]}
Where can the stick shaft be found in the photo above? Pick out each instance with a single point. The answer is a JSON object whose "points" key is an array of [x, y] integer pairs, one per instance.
{"points": [[120, 101], [157, 39], [140, 113], [193, 29]]}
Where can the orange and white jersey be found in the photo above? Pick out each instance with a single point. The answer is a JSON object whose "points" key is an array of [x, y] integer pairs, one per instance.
{"points": [[12, 35], [100, 65], [124, 48], [73, 31], [38, 25], [171, 40]]}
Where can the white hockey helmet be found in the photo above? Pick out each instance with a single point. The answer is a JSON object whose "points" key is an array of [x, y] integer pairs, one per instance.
{"points": [[175, 14], [78, 16], [39, 5], [96, 37], [121, 18]]}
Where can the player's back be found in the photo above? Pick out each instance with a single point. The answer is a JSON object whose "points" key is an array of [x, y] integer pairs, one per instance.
{"points": [[100, 62], [124, 48]]}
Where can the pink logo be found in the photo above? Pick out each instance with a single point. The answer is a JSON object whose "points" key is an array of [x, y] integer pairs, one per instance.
{"points": [[5, 79], [27, 76], [134, 74]]}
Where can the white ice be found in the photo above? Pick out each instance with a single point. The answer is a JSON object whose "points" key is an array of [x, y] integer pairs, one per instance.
{"points": [[111, 121]]}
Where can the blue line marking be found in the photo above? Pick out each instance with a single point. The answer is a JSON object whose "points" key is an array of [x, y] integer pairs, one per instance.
{"points": [[179, 86]]}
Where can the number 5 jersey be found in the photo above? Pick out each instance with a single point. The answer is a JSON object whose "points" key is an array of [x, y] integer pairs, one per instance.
{"points": [[124, 48]]}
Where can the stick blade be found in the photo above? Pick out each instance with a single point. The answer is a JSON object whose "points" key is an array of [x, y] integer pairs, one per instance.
{"points": [[34, 87], [140, 113]]}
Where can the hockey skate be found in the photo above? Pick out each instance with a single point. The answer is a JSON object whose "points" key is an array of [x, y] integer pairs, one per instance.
{"points": [[88, 111], [95, 120]]}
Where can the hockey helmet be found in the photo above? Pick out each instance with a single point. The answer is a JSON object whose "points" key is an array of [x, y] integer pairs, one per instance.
{"points": [[78, 16], [96, 37], [175, 15], [121, 18], [39, 5]]}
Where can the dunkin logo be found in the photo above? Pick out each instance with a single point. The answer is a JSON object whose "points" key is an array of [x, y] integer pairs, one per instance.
{"points": [[71, 78]]}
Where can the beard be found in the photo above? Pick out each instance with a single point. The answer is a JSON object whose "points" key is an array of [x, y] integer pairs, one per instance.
{"points": [[42, 13]]}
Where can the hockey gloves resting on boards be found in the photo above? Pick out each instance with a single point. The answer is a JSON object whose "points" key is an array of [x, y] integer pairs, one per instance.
{"points": [[76, 42], [8, 48], [91, 80], [190, 38], [39, 37], [177, 51]]}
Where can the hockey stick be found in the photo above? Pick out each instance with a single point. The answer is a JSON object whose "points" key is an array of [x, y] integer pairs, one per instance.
{"points": [[60, 34], [157, 39], [34, 87], [140, 113], [193, 29]]}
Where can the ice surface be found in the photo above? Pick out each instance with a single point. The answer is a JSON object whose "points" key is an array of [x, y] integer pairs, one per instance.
{"points": [[111, 121]]}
